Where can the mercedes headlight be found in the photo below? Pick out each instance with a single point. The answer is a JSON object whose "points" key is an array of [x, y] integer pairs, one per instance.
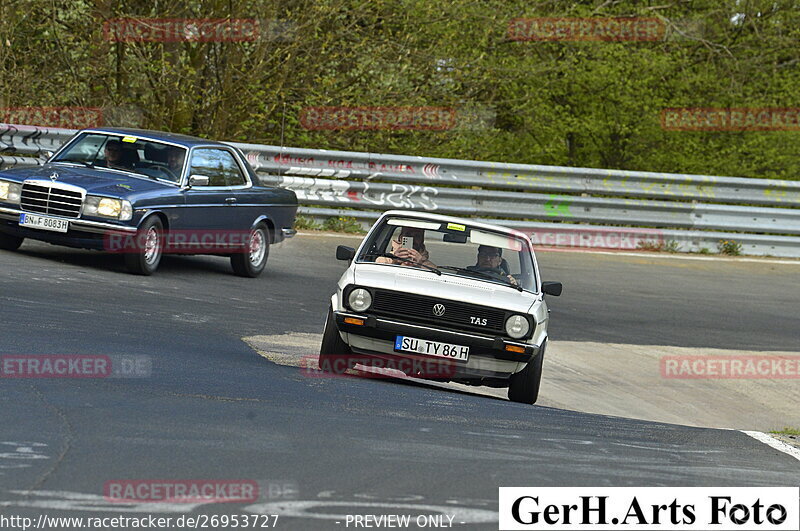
{"points": [[359, 300], [10, 192], [517, 326], [107, 207]]}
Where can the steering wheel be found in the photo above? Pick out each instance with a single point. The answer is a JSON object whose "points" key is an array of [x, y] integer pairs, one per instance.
{"points": [[493, 270], [165, 170]]}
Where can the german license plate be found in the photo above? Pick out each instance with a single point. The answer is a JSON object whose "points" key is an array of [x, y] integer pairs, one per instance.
{"points": [[431, 348], [43, 222]]}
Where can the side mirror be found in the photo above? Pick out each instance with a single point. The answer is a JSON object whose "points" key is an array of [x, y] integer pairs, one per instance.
{"points": [[344, 252], [552, 288], [47, 155], [198, 180]]}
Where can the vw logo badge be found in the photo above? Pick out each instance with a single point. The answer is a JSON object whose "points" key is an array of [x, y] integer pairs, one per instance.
{"points": [[438, 310], [54, 177]]}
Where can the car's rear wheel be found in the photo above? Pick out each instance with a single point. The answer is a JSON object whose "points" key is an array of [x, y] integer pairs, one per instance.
{"points": [[253, 259], [9, 242], [149, 248], [334, 354], [524, 385]]}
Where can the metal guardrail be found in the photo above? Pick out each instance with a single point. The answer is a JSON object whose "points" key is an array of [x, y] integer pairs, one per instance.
{"points": [[493, 203], [532, 178], [32, 140], [604, 237], [7, 162], [564, 206]]}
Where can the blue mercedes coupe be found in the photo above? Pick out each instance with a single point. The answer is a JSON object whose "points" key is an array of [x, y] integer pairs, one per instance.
{"points": [[144, 194]]}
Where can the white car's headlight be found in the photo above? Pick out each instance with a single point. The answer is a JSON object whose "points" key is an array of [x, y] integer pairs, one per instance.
{"points": [[359, 300], [517, 326], [107, 207], [10, 192]]}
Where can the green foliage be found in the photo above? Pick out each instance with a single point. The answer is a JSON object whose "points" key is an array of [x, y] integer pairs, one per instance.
{"points": [[787, 431], [591, 104], [305, 223], [343, 224], [661, 246], [335, 224], [729, 247]]}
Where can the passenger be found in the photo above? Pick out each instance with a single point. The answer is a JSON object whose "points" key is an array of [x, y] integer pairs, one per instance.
{"points": [[490, 260], [417, 253]]}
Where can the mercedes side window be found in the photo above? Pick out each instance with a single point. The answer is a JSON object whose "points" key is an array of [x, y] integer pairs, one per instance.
{"points": [[218, 165]]}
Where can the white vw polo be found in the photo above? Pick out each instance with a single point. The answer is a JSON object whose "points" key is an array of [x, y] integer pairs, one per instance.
{"points": [[444, 298]]}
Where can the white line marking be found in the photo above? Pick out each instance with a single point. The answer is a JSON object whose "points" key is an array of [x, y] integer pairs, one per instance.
{"points": [[774, 443]]}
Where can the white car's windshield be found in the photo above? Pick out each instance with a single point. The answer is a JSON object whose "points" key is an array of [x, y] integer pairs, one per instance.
{"points": [[452, 249], [146, 157]]}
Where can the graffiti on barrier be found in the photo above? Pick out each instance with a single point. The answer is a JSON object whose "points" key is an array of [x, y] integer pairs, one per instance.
{"points": [[326, 191], [557, 207], [402, 196]]}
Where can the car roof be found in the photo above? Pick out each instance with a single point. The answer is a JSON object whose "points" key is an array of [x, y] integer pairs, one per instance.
{"points": [[452, 219], [182, 140]]}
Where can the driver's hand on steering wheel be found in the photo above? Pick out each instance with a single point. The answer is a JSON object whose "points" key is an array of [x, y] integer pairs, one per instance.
{"points": [[500, 273]]}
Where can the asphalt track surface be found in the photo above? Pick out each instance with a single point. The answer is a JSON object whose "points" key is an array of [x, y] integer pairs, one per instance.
{"points": [[214, 409]]}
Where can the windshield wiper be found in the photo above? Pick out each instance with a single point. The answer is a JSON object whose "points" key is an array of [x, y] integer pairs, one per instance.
{"points": [[115, 168], [483, 274], [152, 177], [85, 163], [395, 257]]}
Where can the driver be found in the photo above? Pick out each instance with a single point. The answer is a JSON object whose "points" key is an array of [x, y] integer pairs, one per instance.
{"points": [[115, 157], [490, 260], [417, 253]]}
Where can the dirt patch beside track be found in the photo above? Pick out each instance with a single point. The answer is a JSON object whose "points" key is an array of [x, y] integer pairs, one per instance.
{"points": [[626, 381]]}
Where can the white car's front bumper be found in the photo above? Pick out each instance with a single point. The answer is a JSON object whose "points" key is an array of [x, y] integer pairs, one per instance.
{"points": [[488, 358]]}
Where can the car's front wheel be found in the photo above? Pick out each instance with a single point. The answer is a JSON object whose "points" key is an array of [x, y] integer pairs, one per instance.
{"points": [[9, 242], [253, 258], [524, 385], [334, 353], [149, 248]]}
